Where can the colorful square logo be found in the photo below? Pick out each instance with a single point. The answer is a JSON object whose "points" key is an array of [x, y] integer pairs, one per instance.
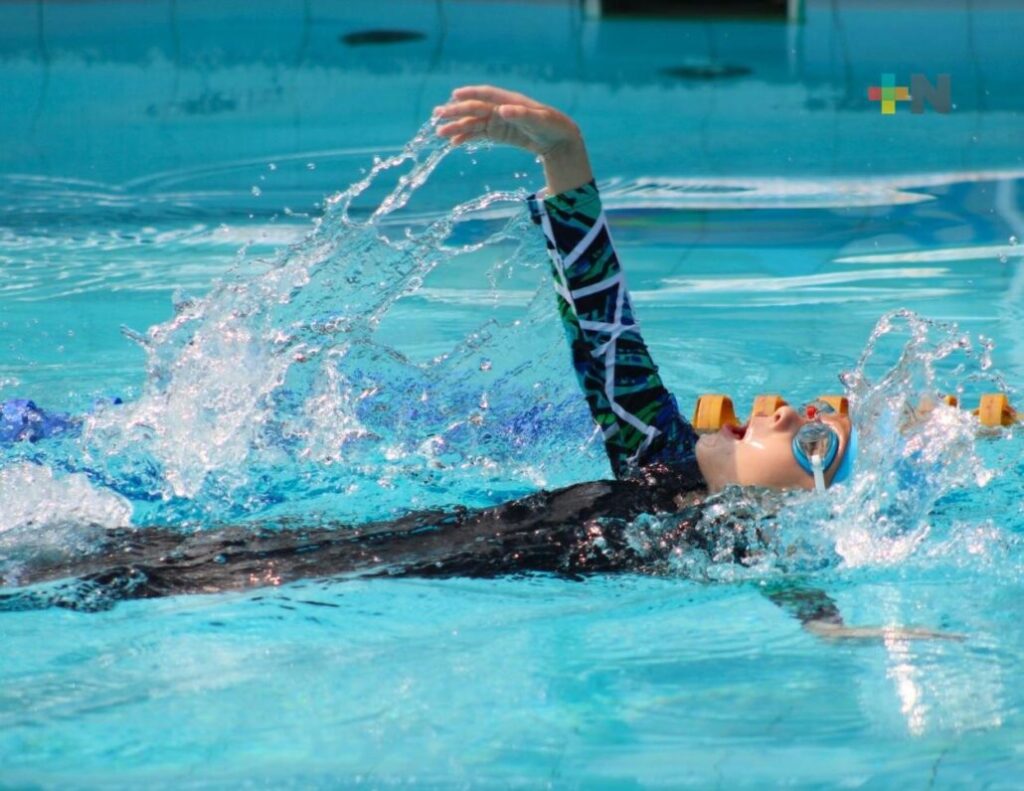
{"points": [[888, 93]]}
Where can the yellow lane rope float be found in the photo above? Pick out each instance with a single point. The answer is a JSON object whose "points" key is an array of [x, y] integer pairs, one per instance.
{"points": [[714, 410]]}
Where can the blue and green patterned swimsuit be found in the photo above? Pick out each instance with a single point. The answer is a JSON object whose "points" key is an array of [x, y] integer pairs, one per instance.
{"points": [[640, 419]]}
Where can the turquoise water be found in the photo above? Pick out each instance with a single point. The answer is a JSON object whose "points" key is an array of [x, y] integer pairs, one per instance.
{"points": [[299, 366]]}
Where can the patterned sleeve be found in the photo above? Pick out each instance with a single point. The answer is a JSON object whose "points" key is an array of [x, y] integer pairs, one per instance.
{"points": [[639, 418]]}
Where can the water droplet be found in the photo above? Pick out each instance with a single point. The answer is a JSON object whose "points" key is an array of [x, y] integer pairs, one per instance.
{"points": [[256, 191], [272, 166]]}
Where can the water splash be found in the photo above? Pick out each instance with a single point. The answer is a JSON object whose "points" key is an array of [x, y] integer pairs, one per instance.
{"points": [[88, 505], [915, 451], [45, 515], [272, 394]]}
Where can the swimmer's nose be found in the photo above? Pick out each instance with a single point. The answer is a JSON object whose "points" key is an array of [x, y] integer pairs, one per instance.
{"points": [[785, 418]]}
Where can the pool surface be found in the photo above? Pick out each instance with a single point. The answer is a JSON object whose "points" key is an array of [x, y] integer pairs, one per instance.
{"points": [[201, 218]]}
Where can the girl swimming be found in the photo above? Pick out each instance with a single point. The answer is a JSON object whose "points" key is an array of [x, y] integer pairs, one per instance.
{"points": [[660, 466]]}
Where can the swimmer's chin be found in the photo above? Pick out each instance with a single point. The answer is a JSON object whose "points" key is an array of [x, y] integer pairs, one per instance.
{"points": [[713, 460]]}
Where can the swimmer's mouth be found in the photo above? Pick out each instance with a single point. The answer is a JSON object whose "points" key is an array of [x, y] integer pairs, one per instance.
{"points": [[736, 432]]}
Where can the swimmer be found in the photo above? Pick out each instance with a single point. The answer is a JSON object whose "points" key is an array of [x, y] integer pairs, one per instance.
{"points": [[660, 466]]}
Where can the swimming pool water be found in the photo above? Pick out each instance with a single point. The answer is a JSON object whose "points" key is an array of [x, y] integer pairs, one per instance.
{"points": [[766, 223]]}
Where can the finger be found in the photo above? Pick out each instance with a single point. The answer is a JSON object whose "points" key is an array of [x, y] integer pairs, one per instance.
{"points": [[489, 93], [473, 107], [461, 127]]}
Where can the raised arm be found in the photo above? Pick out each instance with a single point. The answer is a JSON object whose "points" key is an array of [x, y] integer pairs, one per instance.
{"points": [[637, 415]]}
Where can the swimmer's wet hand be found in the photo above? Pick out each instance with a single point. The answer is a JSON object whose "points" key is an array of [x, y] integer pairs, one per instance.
{"points": [[483, 112]]}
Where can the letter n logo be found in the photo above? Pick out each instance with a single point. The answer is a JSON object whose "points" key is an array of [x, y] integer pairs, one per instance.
{"points": [[939, 96]]}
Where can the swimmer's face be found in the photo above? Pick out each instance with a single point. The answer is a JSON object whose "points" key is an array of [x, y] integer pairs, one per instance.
{"points": [[761, 453]]}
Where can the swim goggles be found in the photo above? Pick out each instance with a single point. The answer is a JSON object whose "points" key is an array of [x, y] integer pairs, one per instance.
{"points": [[816, 444]]}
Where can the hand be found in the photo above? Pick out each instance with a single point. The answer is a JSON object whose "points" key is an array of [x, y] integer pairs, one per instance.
{"points": [[488, 113], [483, 111]]}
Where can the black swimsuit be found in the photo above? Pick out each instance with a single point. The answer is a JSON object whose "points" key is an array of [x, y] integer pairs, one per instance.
{"points": [[577, 530]]}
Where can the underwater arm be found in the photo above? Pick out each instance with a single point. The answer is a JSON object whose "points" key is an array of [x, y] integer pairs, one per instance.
{"points": [[814, 608], [820, 616]]}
